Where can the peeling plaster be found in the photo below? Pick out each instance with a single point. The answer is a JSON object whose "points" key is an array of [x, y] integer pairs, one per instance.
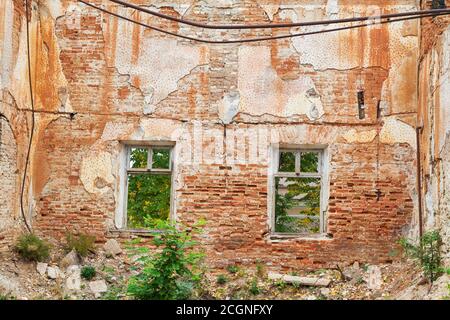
{"points": [[6, 53], [154, 58], [228, 107], [396, 131], [353, 136], [270, 9], [332, 8], [262, 91], [96, 172]]}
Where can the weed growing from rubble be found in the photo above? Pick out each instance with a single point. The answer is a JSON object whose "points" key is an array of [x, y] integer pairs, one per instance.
{"points": [[260, 270], [427, 253], [232, 269], [81, 243], [32, 248], [174, 271], [88, 272], [254, 289], [222, 279]]}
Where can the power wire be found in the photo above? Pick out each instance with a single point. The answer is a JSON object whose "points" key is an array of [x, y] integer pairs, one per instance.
{"points": [[32, 119], [260, 38], [273, 25]]}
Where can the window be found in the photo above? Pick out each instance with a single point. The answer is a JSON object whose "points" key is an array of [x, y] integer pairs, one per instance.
{"points": [[297, 190], [148, 188]]}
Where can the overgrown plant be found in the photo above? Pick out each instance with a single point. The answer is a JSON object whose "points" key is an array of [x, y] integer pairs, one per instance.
{"points": [[174, 271], [88, 272], [232, 268], [222, 279], [254, 289], [427, 253], [81, 243], [32, 248]]}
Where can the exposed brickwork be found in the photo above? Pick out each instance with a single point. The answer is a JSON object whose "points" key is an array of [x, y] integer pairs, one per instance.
{"points": [[8, 177], [371, 183]]}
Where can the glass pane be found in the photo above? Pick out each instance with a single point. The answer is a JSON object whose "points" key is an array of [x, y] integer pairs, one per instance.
{"points": [[161, 159], [148, 200], [297, 205], [309, 162], [138, 158], [287, 162]]}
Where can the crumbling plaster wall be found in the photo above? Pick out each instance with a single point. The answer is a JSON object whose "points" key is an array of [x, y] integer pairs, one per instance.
{"points": [[434, 117], [99, 80]]}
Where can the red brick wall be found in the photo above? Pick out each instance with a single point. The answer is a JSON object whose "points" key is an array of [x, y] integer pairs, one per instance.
{"points": [[232, 198]]}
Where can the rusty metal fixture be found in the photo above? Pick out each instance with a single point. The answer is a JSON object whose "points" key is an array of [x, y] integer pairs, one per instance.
{"points": [[361, 105], [273, 25]]}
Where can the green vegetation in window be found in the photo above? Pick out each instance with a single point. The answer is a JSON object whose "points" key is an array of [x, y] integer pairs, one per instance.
{"points": [[297, 205], [138, 158], [161, 159], [148, 194], [309, 162], [287, 162]]}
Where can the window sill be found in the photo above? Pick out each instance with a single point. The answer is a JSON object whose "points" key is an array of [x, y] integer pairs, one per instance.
{"points": [[299, 237]]}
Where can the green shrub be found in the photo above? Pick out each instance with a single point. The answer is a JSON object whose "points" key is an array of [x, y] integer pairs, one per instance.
{"points": [[222, 279], [32, 248], [427, 253], [88, 272], [232, 269], [81, 243], [174, 272]]}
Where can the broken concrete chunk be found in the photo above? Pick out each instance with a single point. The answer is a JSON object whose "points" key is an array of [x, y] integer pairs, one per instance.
{"points": [[305, 281], [71, 259], [73, 281], [374, 278], [112, 247], [41, 268], [9, 285], [98, 287], [53, 272]]}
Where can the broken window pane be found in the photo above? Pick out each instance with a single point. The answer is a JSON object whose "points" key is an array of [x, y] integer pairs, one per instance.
{"points": [[138, 158], [309, 162], [287, 162], [148, 199], [297, 205], [161, 159]]}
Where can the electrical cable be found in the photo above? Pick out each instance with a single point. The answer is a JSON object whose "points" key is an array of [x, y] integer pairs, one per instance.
{"points": [[32, 120], [274, 25], [260, 38]]}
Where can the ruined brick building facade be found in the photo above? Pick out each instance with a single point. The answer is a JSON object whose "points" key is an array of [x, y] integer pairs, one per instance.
{"points": [[226, 112]]}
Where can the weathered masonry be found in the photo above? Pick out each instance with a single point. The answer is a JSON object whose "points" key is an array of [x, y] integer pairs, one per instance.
{"points": [[298, 152]]}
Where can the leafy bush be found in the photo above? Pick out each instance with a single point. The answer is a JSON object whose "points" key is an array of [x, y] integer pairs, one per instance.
{"points": [[88, 272], [174, 272], [32, 248], [81, 243], [427, 252], [222, 279]]}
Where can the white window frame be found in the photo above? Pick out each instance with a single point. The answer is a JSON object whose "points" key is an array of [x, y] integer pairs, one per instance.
{"points": [[322, 174], [148, 170]]}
